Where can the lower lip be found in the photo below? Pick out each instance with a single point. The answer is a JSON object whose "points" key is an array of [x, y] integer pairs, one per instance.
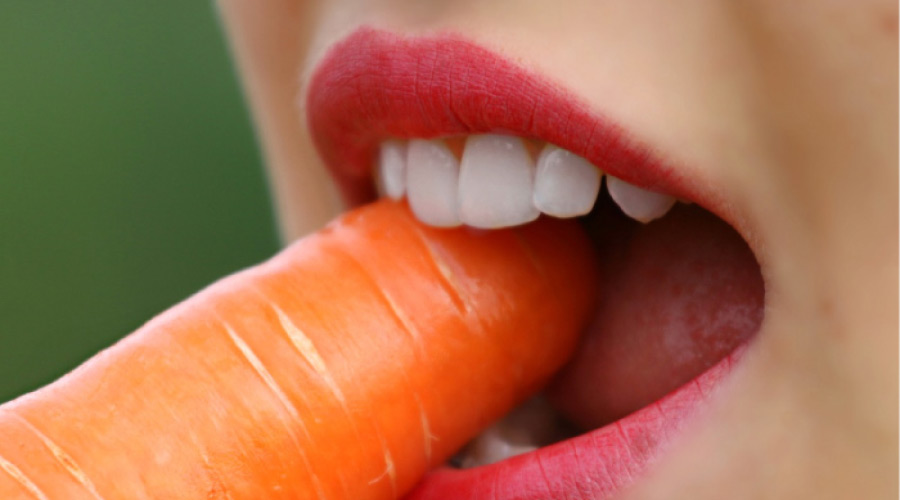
{"points": [[595, 465]]}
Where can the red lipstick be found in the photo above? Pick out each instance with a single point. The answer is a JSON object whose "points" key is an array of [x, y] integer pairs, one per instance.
{"points": [[374, 85]]}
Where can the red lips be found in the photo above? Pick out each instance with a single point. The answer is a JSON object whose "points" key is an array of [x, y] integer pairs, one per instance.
{"points": [[375, 85]]}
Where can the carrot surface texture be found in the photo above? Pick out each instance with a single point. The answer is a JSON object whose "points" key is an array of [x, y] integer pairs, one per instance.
{"points": [[345, 367]]}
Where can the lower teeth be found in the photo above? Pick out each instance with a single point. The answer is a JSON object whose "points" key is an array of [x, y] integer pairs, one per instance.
{"points": [[528, 427]]}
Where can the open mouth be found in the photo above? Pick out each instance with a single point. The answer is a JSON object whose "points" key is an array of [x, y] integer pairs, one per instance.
{"points": [[468, 138]]}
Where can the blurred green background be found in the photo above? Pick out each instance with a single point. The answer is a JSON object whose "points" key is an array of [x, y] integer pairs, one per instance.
{"points": [[129, 177]]}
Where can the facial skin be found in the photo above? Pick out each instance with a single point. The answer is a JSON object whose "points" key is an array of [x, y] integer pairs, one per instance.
{"points": [[789, 109]]}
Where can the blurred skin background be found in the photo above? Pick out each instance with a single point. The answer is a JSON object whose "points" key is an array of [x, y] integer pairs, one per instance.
{"points": [[128, 175]]}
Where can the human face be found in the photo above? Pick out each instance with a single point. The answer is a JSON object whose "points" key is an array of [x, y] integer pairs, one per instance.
{"points": [[779, 118]]}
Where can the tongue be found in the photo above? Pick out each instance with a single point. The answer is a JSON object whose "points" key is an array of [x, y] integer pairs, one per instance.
{"points": [[679, 294]]}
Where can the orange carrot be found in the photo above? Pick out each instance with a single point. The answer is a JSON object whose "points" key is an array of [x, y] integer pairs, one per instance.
{"points": [[343, 368]]}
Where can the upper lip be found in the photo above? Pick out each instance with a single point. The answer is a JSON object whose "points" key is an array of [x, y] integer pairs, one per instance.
{"points": [[374, 85]]}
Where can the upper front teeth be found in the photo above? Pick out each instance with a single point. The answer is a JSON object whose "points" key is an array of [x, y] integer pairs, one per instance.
{"points": [[497, 183], [392, 171], [566, 184], [432, 183]]}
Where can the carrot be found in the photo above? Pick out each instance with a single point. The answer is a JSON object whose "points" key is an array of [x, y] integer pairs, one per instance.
{"points": [[344, 367]]}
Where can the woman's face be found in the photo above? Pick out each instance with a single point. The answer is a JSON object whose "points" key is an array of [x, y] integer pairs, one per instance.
{"points": [[782, 116]]}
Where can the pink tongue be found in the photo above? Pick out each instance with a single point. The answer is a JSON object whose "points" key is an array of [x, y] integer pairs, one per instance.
{"points": [[679, 294]]}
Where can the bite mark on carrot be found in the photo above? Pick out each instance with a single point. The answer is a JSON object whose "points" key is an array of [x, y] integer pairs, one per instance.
{"points": [[20, 477], [264, 374], [270, 382], [64, 458], [412, 332], [390, 471], [305, 346], [448, 280], [402, 318], [382, 291], [307, 349], [426, 428]]}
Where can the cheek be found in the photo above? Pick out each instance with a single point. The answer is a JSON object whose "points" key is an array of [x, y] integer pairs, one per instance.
{"points": [[271, 41]]}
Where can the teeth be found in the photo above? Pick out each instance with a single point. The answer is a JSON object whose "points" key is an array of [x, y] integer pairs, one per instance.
{"points": [[432, 183], [636, 202], [489, 447], [496, 182], [566, 185], [532, 425], [392, 169]]}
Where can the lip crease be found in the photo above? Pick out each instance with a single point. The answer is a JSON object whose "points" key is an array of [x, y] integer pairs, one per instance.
{"points": [[374, 85]]}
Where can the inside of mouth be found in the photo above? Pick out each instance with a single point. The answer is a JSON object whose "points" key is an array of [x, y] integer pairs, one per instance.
{"points": [[679, 294], [680, 290]]}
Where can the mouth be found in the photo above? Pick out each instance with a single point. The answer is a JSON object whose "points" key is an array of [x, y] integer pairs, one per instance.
{"points": [[467, 137]]}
